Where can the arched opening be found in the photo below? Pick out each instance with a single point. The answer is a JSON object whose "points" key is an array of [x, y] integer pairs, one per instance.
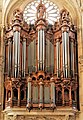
{"points": [[48, 78], [15, 97], [73, 95], [59, 98], [41, 76], [66, 97], [8, 95], [15, 94], [22, 94], [33, 78]]}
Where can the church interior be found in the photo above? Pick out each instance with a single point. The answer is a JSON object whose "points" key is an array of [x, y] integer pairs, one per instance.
{"points": [[41, 60]]}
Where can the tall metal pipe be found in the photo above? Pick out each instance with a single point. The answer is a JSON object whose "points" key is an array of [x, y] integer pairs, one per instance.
{"points": [[15, 41], [43, 49], [23, 57], [41, 94], [38, 50], [72, 59], [63, 44], [58, 58], [52, 93], [13, 59], [66, 54], [18, 52], [29, 93]]}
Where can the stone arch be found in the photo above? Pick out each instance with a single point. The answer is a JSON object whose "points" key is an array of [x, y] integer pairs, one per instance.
{"points": [[71, 6]]}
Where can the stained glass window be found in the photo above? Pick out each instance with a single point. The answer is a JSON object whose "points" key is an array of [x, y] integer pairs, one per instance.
{"points": [[52, 12]]}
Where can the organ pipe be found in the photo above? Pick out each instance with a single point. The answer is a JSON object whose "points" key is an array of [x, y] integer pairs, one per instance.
{"points": [[65, 42], [66, 54], [63, 54], [23, 57], [41, 94], [38, 51], [15, 41], [17, 52], [13, 60], [72, 59], [48, 58], [29, 58], [52, 92], [52, 57], [58, 58], [34, 55], [29, 93], [75, 55], [41, 49], [9, 57]]}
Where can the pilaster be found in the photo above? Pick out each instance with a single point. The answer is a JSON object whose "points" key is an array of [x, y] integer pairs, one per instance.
{"points": [[80, 83]]}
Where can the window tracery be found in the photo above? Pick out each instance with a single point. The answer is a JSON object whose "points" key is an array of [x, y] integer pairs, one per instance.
{"points": [[52, 12]]}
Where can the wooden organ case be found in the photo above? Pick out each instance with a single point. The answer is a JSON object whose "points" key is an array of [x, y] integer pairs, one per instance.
{"points": [[40, 62]]}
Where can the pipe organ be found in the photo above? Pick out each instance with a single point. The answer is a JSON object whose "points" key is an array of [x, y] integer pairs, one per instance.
{"points": [[41, 49], [40, 62]]}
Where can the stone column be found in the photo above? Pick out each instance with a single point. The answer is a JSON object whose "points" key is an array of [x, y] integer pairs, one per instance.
{"points": [[1, 71], [81, 85], [1, 68], [80, 53]]}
